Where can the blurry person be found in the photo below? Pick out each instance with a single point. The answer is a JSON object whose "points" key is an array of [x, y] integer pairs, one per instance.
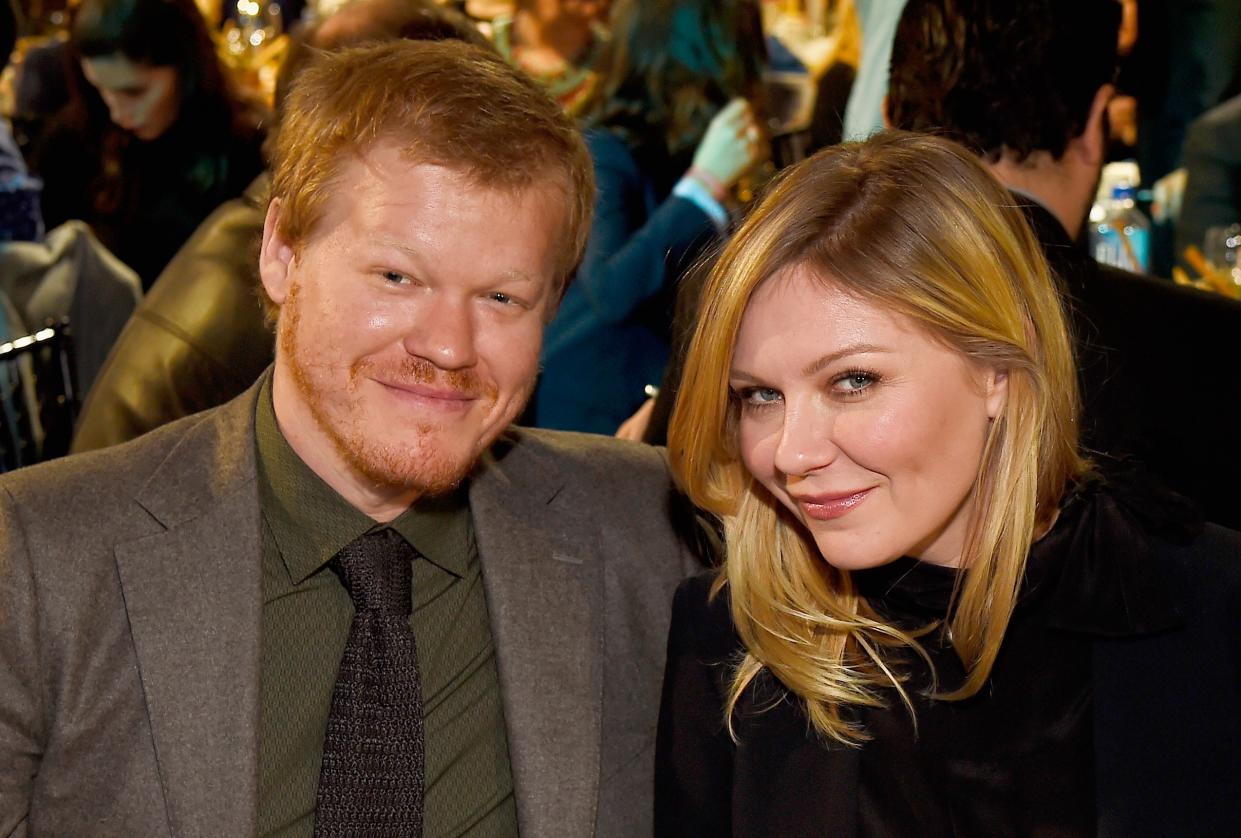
{"points": [[1025, 87], [20, 218], [560, 43], [1213, 174], [157, 140], [673, 131], [935, 617], [199, 337]]}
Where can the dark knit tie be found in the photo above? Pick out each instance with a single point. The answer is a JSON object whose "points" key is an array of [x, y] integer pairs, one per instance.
{"points": [[371, 781]]}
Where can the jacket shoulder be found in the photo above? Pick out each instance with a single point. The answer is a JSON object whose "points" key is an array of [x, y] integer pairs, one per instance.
{"points": [[92, 494], [588, 457]]}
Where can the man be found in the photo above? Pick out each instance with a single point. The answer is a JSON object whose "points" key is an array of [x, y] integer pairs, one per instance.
{"points": [[198, 337], [207, 631], [1026, 87]]}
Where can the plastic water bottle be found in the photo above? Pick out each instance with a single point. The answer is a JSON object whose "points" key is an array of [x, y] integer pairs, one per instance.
{"points": [[1120, 235]]}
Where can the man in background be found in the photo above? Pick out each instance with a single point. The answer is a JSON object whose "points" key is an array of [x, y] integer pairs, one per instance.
{"points": [[1026, 87]]}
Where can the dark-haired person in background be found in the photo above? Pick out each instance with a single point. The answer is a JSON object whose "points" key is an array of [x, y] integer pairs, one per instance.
{"points": [[158, 140], [673, 132], [199, 338], [1026, 88]]}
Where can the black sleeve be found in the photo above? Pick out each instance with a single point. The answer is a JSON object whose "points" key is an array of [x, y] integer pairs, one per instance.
{"points": [[694, 753]]}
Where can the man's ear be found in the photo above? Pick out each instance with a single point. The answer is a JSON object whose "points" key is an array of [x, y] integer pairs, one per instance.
{"points": [[275, 257], [1091, 145], [996, 390]]}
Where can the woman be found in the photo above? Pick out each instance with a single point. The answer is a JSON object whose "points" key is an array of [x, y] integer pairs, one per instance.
{"points": [[934, 616], [155, 140], [673, 132]]}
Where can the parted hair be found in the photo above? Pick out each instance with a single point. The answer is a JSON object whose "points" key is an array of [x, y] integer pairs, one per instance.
{"points": [[916, 225], [446, 103]]}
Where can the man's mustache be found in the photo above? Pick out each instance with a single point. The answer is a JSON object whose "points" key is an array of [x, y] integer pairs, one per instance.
{"points": [[421, 371]]}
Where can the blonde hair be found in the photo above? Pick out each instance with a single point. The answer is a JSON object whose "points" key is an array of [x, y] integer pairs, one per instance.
{"points": [[915, 224]]}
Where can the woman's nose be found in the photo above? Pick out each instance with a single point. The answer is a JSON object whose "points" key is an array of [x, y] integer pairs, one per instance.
{"points": [[807, 439]]}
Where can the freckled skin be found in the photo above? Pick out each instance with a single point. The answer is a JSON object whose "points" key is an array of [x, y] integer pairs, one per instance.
{"points": [[141, 99], [410, 326], [903, 416]]}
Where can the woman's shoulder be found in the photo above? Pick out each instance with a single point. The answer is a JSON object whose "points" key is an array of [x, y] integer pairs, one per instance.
{"points": [[1137, 558]]}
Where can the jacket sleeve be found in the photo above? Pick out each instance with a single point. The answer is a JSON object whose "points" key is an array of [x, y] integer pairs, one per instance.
{"points": [[21, 710], [631, 254], [196, 340], [694, 752]]}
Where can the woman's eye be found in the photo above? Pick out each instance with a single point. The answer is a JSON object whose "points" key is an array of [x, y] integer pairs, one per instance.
{"points": [[854, 382], [757, 397]]}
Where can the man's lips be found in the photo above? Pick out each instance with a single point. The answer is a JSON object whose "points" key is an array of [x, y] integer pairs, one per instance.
{"points": [[831, 505], [446, 396]]}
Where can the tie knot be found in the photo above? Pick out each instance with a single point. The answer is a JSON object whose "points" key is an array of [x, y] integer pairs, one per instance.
{"points": [[377, 572]]}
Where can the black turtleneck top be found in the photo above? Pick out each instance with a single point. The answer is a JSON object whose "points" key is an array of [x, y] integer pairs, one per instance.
{"points": [[1018, 758], [1015, 759]]}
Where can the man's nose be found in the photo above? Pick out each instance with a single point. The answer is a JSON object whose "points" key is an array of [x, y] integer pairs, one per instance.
{"points": [[807, 439], [444, 333]]}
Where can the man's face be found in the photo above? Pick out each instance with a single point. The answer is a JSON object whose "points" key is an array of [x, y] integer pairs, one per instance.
{"points": [[410, 323]]}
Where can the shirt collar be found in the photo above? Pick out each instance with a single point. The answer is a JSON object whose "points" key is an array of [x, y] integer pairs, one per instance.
{"points": [[311, 522]]}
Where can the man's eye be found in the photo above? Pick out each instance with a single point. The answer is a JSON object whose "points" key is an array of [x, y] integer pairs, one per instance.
{"points": [[395, 277], [506, 299]]}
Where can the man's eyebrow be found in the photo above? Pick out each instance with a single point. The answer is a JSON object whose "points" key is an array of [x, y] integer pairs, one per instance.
{"points": [[393, 244], [511, 275], [516, 276]]}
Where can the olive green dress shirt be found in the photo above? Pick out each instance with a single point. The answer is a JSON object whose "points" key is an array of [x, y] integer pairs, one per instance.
{"points": [[306, 618]]}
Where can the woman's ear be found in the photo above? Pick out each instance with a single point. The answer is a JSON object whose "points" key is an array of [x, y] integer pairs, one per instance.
{"points": [[275, 257], [995, 385]]}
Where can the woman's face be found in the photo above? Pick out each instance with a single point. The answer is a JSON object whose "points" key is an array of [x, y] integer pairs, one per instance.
{"points": [[141, 99], [869, 430]]}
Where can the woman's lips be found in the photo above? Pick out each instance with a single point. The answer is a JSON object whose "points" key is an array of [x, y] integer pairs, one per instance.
{"points": [[830, 507]]}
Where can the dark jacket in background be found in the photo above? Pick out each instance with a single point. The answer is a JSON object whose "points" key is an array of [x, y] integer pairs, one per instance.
{"points": [[197, 339], [1212, 161], [1158, 370]]}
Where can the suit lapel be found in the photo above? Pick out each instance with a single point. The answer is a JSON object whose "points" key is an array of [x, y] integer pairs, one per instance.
{"points": [[193, 596], [545, 601]]}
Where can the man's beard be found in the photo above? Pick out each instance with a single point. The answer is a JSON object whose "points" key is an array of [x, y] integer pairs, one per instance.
{"points": [[418, 464]]}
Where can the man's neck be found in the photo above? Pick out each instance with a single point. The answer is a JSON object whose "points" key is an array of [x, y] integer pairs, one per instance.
{"points": [[1055, 185]]}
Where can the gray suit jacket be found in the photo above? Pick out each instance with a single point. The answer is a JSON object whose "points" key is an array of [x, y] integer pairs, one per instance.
{"points": [[130, 609]]}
